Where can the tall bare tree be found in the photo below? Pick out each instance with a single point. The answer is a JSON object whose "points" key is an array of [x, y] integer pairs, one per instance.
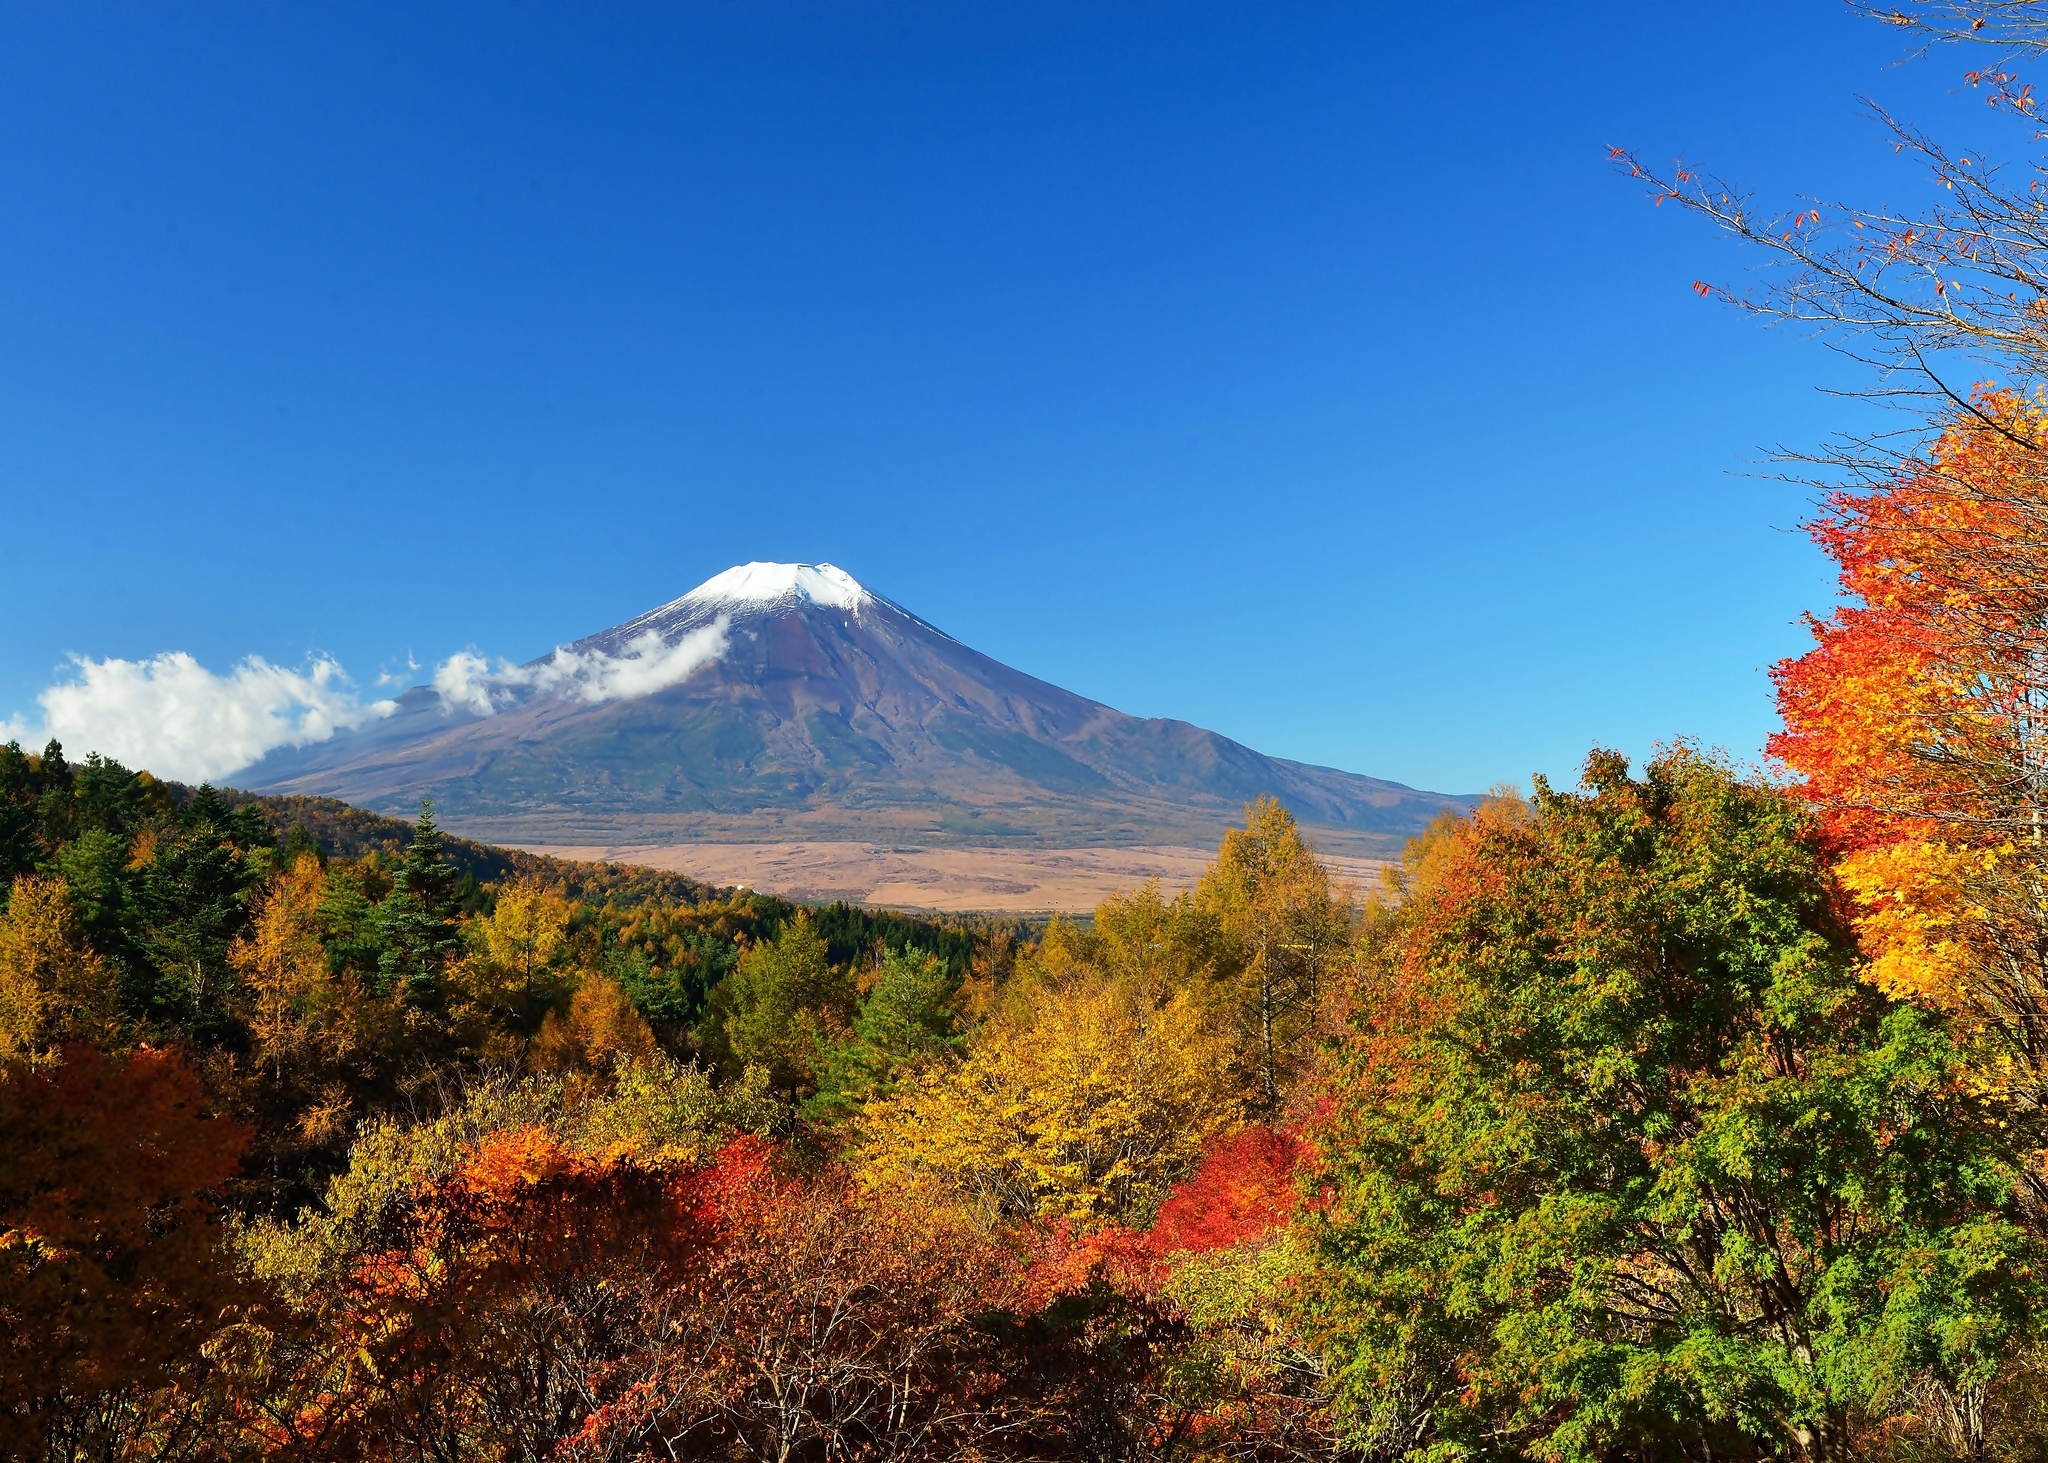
{"points": [[1936, 299]]}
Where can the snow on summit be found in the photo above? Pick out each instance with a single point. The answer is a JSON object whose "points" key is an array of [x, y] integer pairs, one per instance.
{"points": [[742, 592], [763, 583], [652, 652]]}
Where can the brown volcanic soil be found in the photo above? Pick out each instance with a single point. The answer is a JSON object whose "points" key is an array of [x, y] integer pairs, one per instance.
{"points": [[957, 880]]}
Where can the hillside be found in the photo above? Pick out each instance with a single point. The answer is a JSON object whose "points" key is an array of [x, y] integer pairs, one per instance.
{"points": [[785, 702]]}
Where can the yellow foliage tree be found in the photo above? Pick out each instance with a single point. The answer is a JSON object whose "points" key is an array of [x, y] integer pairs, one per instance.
{"points": [[519, 942], [1281, 932], [299, 1015], [1156, 944], [1918, 917], [1118, 1050], [601, 1028], [53, 987], [1085, 1106]]}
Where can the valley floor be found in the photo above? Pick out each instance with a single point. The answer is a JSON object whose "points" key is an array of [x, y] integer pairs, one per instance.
{"points": [[990, 880]]}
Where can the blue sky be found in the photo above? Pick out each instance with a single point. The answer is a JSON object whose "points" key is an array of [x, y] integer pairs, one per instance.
{"points": [[1303, 371]]}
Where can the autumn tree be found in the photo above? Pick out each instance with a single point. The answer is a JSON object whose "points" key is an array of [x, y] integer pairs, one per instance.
{"points": [[53, 987], [1916, 725], [519, 942], [599, 1029], [822, 1323], [1084, 1101], [111, 1276], [1283, 930], [298, 1015], [532, 1276], [1148, 941], [314, 1033], [1624, 1159]]}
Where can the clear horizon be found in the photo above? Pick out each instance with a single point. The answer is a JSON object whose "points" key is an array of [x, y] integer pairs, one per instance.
{"points": [[1308, 375]]}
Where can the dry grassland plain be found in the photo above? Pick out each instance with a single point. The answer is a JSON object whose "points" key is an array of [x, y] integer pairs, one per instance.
{"points": [[952, 880]]}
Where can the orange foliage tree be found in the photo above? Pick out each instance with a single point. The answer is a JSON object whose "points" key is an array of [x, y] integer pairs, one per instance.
{"points": [[1919, 725], [1922, 709], [1179, 1339], [819, 1323], [110, 1277], [543, 1300], [483, 1323]]}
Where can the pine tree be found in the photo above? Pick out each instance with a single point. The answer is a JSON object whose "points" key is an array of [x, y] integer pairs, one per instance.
{"points": [[20, 783], [55, 822], [780, 1008], [419, 919], [903, 1023], [192, 904]]}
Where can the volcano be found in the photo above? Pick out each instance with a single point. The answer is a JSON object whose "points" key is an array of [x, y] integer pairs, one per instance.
{"points": [[786, 701]]}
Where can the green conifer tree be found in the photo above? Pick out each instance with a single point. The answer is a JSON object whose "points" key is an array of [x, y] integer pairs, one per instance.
{"points": [[190, 905], [905, 1021], [420, 919], [20, 787]]}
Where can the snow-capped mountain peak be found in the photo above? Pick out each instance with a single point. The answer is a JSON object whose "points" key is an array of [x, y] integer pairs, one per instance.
{"points": [[763, 583], [746, 595], [787, 701]]}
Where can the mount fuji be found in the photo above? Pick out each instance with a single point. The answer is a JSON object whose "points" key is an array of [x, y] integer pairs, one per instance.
{"points": [[787, 701]]}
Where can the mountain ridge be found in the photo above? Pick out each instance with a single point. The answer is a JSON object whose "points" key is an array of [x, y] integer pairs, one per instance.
{"points": [[778, 702]]}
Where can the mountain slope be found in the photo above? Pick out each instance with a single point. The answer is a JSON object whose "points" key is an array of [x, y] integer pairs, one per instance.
{"points": [[786, 701]]}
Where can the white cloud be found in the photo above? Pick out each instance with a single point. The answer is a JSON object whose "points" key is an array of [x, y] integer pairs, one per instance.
{"points": [[467, 682], [173, 716]]}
